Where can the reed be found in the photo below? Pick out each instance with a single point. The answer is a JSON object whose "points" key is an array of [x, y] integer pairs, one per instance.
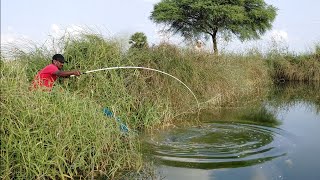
{"points": [[59, 134], [64, 134], [293, 67]]}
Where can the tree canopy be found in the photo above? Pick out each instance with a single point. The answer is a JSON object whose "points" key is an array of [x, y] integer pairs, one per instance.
{"points": [[245, 19], [138, 40]]}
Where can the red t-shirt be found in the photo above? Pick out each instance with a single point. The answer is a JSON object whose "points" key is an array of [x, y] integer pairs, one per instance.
{"points": [[46, 77]]}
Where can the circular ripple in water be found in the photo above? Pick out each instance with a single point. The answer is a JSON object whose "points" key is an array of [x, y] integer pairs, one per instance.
{"points": [[218, 145]]}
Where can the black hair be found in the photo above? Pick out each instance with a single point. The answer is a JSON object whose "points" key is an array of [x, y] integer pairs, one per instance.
{"points": [[58, 57]]}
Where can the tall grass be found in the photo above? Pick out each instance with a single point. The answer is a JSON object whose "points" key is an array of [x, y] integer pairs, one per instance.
{"points": [[293, 67], [59, 134], [64, 134], [215, 80]]}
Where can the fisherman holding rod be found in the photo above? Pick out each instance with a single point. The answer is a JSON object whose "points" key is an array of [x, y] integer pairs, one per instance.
{"points": [[48, 75]]}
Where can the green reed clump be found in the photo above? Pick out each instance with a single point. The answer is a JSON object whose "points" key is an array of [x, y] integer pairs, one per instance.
{"points": [[224, 78], [129, 92], [292, 67], [91, 51], [64, 134], [58, 135], [170, 92], [125, 91]]}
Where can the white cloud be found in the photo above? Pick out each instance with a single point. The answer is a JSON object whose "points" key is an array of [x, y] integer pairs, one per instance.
{"points": [[15, 39], [277, 36], [12, 42], [11, 37], [57, 31], [7, 38]]}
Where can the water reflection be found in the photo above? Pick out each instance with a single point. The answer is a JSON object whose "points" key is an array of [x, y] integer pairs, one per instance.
{"points": [[219, 145], [292, 93], [273, 137]]}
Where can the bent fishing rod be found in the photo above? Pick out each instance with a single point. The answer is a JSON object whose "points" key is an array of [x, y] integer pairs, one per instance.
{"points": [[145, 68]]}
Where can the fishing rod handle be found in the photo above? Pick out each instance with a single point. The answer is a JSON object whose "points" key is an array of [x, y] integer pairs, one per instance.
{"points": [[80, 73]]}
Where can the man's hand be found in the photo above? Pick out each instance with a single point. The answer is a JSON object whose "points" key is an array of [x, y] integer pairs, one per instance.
{"points": [[76, 73], [68, 73]]}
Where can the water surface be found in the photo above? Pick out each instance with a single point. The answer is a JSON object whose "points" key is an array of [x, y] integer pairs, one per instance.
{"points": [[226, 146]]}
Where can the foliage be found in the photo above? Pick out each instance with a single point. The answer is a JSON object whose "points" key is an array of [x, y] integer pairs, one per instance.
{"points": [[317, 51], [91, 51], [57, 135], [292, 67], [138, 40], [64, 134], [194, 18]]}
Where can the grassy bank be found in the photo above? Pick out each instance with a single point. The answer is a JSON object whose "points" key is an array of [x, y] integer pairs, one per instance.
{"points": [[58, 135], [295, 67], [64, 134]]}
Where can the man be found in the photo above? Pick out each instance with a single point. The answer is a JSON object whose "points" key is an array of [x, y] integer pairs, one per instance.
{"points": [[48, 75], [199, 46]]}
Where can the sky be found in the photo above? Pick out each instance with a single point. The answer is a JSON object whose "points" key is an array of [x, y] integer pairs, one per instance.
{"points": [[296, 27]]}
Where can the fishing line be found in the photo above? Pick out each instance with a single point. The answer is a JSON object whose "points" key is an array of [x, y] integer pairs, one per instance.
{"points": [[145, 68]]}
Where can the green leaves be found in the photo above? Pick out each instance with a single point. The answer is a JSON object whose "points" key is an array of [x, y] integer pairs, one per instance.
{"points": [[246, 19], [138, 40]]}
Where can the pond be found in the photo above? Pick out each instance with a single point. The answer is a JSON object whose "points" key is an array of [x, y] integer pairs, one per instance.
{"points": [[275, 138]]}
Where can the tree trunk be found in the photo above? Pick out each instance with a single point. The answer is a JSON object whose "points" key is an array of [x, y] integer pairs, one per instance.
{"points": [[214, 42]]}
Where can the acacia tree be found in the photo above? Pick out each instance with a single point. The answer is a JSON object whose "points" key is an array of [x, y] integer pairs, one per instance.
{"points": [[244, 19]]}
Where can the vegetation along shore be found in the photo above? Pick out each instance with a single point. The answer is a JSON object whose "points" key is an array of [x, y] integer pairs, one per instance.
{"points": [[68, 134], [64, 134]]}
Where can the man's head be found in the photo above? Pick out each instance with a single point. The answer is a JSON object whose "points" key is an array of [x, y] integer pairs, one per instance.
{"points": [[58, 60], [199, 43]]}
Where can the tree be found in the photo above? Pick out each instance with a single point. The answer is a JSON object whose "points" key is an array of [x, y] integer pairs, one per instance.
{"points": [[138, 40], [245, 19]]}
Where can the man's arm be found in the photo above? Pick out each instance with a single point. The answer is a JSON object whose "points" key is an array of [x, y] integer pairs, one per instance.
{"points": [[67, 73]]}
